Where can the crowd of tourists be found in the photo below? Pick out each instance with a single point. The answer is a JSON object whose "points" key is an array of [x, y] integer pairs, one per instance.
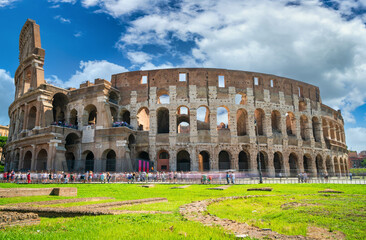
{"points": [[64, 124], [137, 177], [122, 124]]}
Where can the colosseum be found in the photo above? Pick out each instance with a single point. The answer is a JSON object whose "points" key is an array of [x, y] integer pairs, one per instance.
{"points": [[183, 119]]}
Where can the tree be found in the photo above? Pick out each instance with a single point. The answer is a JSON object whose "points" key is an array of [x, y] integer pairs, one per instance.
{"points": [[363, 163], [3, 141]]}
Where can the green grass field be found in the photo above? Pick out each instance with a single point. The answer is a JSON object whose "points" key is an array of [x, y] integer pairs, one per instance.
{"points": [[342, 212]]}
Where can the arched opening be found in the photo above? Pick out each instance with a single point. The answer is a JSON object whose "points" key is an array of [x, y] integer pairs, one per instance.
{"points": [[241, 99], [113, 97], [242, 122], [278, 163], [74, 117], [319, 164], [110, 161], [290, 124], [183, 127], [276, 122], [59, 105], [332, 133], [325, 129], [304, 128], [42, 160], [203, 118], [27, 163], [259, 122], [183, 120], [89, 161], [316, 129], [113, 114], [329, 166], [163, 120], [222, 118], [70, 161], [143, 155], [203, 161], [336, 167], [293, 164], [131, 141], [224, 160], [16, 162], [163, 161], [338, 138], [308, 164], [32, 118], [244, 160], [183, 161], [263, 161], [125, 116], [302, 105], [91, 115], [143, 119], [163, 96]]}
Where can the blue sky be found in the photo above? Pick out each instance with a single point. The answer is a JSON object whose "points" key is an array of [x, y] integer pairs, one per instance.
{"points": [[319, 42]]}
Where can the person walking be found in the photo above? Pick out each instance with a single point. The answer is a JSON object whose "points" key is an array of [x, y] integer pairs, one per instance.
{"points": [[350, 176], [232, 177], [228, 177], [28, 177]]}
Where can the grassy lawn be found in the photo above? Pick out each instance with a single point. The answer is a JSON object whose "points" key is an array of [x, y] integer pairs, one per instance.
{"points": [[339, 212]]}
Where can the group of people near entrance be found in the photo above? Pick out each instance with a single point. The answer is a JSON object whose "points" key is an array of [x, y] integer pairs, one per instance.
{"points": [[230, 177]]}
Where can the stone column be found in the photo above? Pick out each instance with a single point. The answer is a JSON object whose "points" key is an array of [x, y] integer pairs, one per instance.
{"points": [[33, 162], [193, 125], [213, 125], [271, 168]]}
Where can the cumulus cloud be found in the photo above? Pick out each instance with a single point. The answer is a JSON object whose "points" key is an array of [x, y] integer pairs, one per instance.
{"points": [[4, 3], [356, 138], [89, 70], [7, 90], [62, 19], [307, 41]]}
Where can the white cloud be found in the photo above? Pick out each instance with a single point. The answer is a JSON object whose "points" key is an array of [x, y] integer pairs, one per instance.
{"points": [[138, 57], [356, 138], [62, 1], [7, 90], [78, 34], [62, 19], [89, 70], [4, 3]]}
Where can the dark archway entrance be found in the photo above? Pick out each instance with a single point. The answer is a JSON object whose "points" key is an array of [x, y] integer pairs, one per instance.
{"points": [[278, 162], [293, 163], [163, 161], [27, 164], [89, 161], [244, 161], [204, 161], [183, 161], [224, 160]]}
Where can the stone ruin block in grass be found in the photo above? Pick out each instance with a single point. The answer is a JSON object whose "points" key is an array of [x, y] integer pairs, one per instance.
{"points": [[65, 192], [267, 189], [330, 191], [219, 188], [8, 219]]}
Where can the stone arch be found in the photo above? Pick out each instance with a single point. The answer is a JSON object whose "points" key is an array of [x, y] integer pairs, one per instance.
{"points": [[244, 161], [316, 129], [73, 117], [113, 97], [114, 114], [90, 113], [41, 160], [242, 122], [203, 118], [183, 122], [59, 107], [342, 166], [319, 164], [278, 163], [163, 96], [223, 117], [32, 115], [131, 141], [259, 119], [163, 120], [325, 129], [329, 166], [143, 155], [110, 157], [70, 161], [163, 161], [331, 130], [143, 119], [263, 158], [293, 161], [126, 116], [290, 124], [276, 121], [304, 128], [224, 160], [204, 161], [89, 160], [71, 141], [336, 166], [241, 98], [27, 163], [183, 161], [308, 163]]}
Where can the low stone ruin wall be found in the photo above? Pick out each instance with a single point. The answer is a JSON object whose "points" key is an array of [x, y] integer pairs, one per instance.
{"points": [[25, 192], [8, 219]]}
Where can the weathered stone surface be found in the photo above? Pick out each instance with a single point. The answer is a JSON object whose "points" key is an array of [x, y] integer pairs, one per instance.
{"points": [[23, 192], [330, 191], [219, 188], [268, 189], [8, 219]]}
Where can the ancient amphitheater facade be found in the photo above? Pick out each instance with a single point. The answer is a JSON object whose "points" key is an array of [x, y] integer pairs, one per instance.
{"points": [[186, 119]]}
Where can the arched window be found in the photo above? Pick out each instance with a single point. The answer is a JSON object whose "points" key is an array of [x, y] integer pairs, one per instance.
{"points": [[163, 120], [290, 124], [222, 118], [32, 118], [143, 119], [125, 116], [242, 122], [183, 120], [316, 129], [42, 160], [276, 121], [259, 119], [91, 115], [163, 96], [59, 105], [113, 97], [203, 118], [183, 161], [224, 160]]}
